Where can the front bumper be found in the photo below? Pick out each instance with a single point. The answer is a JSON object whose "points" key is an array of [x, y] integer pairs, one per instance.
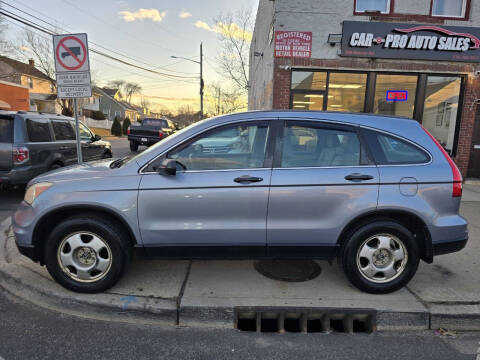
{"points": [[23, 226]]}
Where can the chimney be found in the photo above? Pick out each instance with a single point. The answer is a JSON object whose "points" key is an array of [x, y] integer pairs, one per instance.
{"points": [[31, 62]]}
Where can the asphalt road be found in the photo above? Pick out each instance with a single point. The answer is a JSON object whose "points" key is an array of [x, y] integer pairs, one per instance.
{"points": [[10, 198], [27, 332]]}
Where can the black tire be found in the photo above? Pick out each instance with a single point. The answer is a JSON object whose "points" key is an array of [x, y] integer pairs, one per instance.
{"points": [[105, 228], [133, 146], [353, 243]]}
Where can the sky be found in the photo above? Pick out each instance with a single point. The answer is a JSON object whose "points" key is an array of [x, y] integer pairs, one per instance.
{"points": [[147, 33]]}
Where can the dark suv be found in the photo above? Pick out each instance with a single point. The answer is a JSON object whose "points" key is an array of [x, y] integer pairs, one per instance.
{"points": [[32, 143]]}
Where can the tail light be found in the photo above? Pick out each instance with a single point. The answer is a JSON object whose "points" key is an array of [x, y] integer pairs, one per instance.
{"points": [[457, 177], [20, 155], [160, 134], [128, 131]]}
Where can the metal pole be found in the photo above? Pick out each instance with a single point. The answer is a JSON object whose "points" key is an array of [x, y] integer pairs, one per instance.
{"points": [[77, 129], [201, 81]]}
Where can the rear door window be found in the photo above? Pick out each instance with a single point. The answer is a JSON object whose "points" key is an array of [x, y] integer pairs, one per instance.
{"points": [[391, 150], [62, 130], [38, 130], [6, 130], [314, 145]]}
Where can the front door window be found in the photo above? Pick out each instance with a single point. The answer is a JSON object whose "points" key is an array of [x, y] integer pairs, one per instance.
{"points": [[395, 95], [240, 146]]}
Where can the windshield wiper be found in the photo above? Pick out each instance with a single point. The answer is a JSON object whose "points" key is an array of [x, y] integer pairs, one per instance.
{"points": [[118, 163]]}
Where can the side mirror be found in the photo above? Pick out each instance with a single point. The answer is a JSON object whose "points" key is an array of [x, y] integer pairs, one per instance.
{"points": [[168, 167], [97, 137]]}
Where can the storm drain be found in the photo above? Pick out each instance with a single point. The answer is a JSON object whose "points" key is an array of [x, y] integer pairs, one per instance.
{"points": [[288, 270], [311, 321]]}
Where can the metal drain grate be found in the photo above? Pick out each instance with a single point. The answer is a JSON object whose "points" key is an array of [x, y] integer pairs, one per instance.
{"points": [[305, 321]]}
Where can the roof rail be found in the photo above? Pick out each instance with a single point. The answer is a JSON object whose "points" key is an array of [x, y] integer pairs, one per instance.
{"points": [[21, 112]]}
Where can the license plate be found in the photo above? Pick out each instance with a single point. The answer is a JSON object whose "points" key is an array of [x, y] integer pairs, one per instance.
{"points": [[144, 139]]}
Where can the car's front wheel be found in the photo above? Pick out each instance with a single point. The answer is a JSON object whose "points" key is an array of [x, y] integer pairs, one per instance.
{"points": [[87, 254], [380, 257]]}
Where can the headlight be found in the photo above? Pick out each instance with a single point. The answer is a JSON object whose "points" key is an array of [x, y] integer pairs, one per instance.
{"points": [[35, 190]]}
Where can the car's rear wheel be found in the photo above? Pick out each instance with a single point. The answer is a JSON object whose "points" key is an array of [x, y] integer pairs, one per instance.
{"points": [[380, 257], [133, 146], [107, 155], [87, 254]]}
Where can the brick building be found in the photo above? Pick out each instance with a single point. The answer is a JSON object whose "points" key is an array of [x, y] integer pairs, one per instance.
{"points": [[413, 58]]}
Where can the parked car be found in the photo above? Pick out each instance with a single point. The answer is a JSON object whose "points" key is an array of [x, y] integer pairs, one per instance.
{"points": [[150, 131], [377, 193], [32, 143]]}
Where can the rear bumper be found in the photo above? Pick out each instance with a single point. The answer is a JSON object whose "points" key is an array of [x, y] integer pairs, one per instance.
{"points": [[21, 175], [148, 141], [447, 247]]}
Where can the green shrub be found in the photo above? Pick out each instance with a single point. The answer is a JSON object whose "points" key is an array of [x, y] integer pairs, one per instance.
{"points": [[116, 127], [126, 124], [98, 115]]}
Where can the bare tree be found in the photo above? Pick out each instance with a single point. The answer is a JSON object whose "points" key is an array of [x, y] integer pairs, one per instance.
{"points": [[224, 101], [235, 34], [117, 84], [39, 48], [130, 90]]}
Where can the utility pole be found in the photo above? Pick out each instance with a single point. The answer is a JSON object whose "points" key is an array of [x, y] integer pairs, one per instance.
{"points": [[201, 81]]}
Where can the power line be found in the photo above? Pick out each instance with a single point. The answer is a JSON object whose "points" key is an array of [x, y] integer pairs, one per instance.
{"points": [[38, 27], [96, 44]]}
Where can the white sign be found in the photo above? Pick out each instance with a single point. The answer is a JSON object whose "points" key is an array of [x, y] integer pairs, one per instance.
{"points": [[74, 91], [72, 65]]}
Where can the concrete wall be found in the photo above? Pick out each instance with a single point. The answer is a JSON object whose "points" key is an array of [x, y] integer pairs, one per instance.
{"points": [[417, 7], [260, 94]]}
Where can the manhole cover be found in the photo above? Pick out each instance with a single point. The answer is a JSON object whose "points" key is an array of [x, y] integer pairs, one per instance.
{"points": [[288, 270]]}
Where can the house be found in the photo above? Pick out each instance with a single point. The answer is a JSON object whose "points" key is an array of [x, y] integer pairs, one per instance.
{"points": [[412, 58], [14, 97], [130, 111], [111, 105], [42, 90], [86, 106]]}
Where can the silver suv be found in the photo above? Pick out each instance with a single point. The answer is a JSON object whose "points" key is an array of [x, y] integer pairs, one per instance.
{"points": [[378, 193]]}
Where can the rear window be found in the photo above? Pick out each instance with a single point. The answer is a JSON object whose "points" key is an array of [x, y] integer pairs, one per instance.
{"points": [[38, 130], [390, 150], [63, 130], [155, 122], [6, 130]]}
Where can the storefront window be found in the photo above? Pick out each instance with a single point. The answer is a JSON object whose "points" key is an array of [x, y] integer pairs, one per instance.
{"points": [[307, 102], [346, 92], [395, 95], [441, 107], [308, 80]]}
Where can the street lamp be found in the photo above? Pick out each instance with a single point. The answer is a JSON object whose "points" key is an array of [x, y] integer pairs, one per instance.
{"points": [[201, 75]]}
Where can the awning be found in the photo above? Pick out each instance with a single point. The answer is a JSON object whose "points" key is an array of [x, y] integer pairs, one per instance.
{"points": [[4, 105]]}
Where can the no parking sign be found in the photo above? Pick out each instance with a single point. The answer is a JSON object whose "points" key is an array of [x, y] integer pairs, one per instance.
{"points": [[72, 65]]}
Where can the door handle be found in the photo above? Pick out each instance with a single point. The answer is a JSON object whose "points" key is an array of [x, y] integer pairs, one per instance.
{"points": [[247, 179], [358, 177]]}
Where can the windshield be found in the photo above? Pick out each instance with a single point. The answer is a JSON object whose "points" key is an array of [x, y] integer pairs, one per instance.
{"points": [[154, 147], [155, 122]]}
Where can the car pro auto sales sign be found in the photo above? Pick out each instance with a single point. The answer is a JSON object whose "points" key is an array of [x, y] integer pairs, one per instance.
{"points": [[293, 44], [410, 41]]}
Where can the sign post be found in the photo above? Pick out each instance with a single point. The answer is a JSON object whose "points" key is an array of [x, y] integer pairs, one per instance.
{"points": [[72, 67]]}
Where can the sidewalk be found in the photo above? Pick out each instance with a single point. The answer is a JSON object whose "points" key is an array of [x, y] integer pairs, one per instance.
{"points": [[209, 293]]}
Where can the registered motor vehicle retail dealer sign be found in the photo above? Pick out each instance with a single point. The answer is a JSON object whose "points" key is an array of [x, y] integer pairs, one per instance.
{"points": [[410, 41], [72, 65]]}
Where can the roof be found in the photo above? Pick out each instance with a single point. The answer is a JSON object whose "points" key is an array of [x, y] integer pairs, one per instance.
{"points": [[128, 106], [109, 91], [23, 68]]}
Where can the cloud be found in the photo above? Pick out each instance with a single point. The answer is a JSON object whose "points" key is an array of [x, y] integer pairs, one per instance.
{"points": [[232, 30], [203, 25], [141, 14], [184, 14]]}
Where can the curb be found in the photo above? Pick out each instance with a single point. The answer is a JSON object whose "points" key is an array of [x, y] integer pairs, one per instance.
{"points": [[170, 311]]}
